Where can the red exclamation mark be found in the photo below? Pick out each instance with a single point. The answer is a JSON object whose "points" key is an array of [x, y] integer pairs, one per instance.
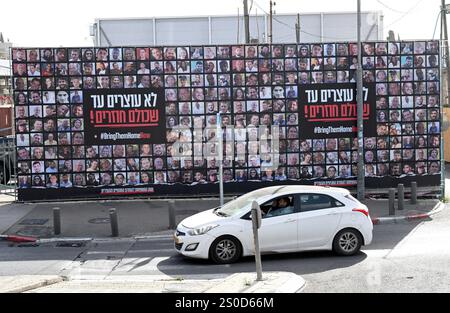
{"points": [[92, 117], [306, 112]]}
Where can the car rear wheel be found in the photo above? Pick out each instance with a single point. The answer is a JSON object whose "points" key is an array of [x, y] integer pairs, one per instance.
{"points": [[225, 250], [347, 242]]}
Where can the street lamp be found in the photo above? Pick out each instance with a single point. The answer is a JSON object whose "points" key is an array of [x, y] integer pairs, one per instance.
{"points": [[447, 8]]}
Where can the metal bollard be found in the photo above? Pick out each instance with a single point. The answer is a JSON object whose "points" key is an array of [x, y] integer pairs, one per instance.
{"points": [[172, 215], [401, 196], [114, 222], [413, 199], [57, 221], [391, 201]]}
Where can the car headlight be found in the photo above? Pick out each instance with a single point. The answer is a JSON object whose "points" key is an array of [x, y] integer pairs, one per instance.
{"points": [[202, 230]]}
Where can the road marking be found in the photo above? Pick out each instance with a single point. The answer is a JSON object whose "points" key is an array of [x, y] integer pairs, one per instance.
{"points": [[106, 252], [131, 251], [151, 237], [152, 250]]}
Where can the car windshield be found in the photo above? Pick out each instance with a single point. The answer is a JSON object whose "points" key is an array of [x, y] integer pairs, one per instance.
{"points": [[233, 207]]}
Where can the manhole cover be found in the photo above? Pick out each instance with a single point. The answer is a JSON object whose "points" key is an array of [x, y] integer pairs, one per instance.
{"points": [[100, 220], [35, 231], [71, 244], [34, 221]]}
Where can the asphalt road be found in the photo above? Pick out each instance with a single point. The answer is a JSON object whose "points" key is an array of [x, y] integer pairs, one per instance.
{"points": [[406, 257]]}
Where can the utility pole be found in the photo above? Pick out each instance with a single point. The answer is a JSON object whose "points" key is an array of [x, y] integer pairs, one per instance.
{"points": [[257, 24], [246, 22], [297, 29], [238, 18], [360, 108], [270, 21]]}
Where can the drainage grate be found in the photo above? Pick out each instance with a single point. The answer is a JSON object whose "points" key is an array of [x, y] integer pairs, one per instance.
{"points": [[35, 231], [71, 244], [27, 245], [34, 221], [100, 220]]}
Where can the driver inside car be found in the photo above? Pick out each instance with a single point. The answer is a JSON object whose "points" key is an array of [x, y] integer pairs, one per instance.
{"points": [[279, 207]]}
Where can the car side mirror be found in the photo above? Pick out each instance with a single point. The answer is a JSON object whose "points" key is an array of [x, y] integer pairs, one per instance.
{"points": [[247, 216]]}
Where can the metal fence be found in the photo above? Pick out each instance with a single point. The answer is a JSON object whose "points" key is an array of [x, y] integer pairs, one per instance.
{"points": [[8, 178]]}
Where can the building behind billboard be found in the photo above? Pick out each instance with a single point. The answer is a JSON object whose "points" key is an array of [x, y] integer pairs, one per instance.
{"points": [[229, 29]]}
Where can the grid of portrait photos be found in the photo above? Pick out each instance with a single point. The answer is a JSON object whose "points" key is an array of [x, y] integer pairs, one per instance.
{"points": [[251, 85]]}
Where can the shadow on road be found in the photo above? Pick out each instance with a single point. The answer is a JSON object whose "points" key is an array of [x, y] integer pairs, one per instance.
{"points": [[386, 237], [299, 263]]}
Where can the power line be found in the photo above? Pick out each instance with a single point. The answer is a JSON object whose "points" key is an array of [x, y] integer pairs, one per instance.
{"points": [[406, 13], [387, 7], [293, 28], [435, 26], [284, 37], [337, 38]]}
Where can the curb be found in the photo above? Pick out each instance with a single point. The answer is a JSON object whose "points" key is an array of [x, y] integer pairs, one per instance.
{"points": [[34, 285], [18, 239], [35, 240], [393, 220], [25, 239], [52, 240]]}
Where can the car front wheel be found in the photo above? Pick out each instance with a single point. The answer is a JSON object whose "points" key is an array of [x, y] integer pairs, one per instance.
{"points": [[225, 250], [347, 242]]}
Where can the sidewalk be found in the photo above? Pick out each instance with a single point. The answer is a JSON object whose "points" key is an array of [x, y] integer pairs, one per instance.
{"points": [[424, 209], [273, 282], [91, 219]]}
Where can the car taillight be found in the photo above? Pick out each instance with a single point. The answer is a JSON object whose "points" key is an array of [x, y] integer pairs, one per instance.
{"points": [[361, 210]]}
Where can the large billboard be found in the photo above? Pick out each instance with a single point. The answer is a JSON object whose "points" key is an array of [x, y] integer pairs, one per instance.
{"points": [[142, 121]]}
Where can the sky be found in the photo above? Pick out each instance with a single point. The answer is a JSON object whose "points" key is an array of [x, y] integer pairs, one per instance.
{"points": [[50, 23]]}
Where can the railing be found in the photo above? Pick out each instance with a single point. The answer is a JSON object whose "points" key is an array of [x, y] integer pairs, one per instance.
{"points": [[8, 178]]}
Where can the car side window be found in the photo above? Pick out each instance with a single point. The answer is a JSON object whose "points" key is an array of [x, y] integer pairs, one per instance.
{"points": [[313, 202], [279, 206]]}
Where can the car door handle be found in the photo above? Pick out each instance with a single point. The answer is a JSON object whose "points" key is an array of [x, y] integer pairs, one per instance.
{"points": [[333, 213], [290, 221]]}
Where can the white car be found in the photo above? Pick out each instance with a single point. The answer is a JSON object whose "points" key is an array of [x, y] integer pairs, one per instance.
{"points": [[295, 218]]}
